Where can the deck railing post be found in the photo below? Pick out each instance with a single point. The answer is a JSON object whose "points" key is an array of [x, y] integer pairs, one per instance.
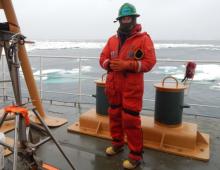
{"points": [[41, 74], [80, 88]]}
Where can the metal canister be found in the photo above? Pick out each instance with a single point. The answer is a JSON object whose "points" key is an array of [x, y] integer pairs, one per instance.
{"points": [[101, 99], [169, 102]]}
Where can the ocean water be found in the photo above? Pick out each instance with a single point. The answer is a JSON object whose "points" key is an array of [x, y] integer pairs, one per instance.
{"points": [[62, 74]]}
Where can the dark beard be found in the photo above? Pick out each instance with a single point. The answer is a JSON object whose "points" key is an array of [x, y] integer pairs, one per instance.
{"points": [[126, 28]]}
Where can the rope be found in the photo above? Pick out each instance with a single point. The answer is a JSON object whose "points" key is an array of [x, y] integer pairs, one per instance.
{"points": [[20, 110]]}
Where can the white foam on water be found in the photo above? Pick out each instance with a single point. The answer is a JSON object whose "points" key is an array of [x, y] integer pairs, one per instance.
{"points": [[204, 72], [168, 70], [184, 45], [216, 87], [47, 45], [208, 72], [60, 73]]}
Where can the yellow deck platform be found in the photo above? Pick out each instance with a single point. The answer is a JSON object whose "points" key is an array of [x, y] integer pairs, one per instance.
{"points": [[184, 140]]}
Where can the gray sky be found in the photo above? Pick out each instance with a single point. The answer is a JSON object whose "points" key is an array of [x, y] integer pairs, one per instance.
{"points": [[93, 19]]}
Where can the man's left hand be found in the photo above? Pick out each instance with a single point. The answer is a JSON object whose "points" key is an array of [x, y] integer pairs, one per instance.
{"points": [[122, 65], [117, 65]]}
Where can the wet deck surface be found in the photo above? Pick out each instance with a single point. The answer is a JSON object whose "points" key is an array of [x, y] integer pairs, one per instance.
{"points": [[87, 153]]}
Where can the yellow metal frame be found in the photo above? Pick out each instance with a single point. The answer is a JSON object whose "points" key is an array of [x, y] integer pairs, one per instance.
{"points": [[184, 140], [7, 6]]}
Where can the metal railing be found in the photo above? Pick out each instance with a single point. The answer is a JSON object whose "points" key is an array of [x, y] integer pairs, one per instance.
{"points": [[79, 93]]}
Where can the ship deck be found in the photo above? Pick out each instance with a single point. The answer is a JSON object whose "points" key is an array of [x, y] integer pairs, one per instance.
{"points": [[87, 152]]}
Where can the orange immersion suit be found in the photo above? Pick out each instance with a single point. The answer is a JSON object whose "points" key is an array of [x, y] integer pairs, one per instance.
{"points": [[125, 86]]}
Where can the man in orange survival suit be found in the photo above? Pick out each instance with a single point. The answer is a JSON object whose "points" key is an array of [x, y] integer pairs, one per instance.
{"points": [[126, 56]]}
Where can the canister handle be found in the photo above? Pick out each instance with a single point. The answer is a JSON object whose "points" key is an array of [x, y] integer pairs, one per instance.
{"points": [[103, 76], [171, 78]]}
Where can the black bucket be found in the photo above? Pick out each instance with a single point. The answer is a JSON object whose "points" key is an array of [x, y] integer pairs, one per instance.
{"points": [[169, 102], [101, 99]]}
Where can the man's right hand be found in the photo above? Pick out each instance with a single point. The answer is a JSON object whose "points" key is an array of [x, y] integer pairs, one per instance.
{"points": [[123, 65]]}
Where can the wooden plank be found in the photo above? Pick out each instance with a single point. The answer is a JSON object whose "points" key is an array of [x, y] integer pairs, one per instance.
{"points": [[7, 125], [9, 141]]}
